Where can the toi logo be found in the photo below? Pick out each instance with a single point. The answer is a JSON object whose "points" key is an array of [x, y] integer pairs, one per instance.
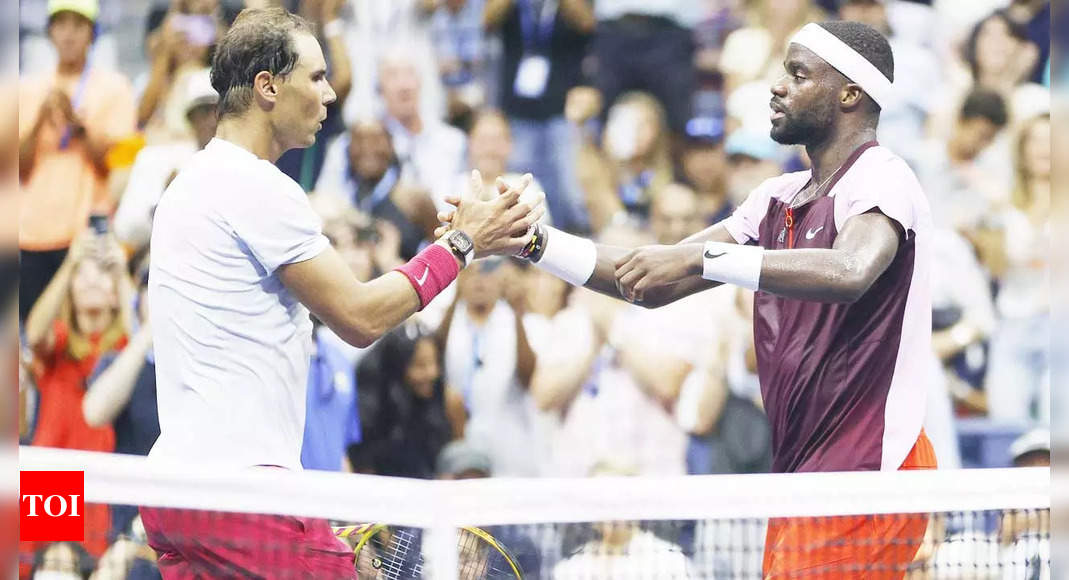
{"points": [[52, 506]]}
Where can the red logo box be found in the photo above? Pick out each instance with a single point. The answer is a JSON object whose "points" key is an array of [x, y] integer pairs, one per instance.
{"points": [[52, 506]]}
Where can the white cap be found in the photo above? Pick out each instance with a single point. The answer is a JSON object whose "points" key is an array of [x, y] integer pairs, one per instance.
{"points": [[199, 90], [1034, 440]]}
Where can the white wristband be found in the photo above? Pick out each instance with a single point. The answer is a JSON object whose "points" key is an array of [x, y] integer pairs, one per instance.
{"points": [[568, 257], [733, 264]]}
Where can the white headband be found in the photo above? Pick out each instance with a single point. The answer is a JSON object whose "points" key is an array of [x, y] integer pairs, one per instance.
{"points": [[846, 60]]}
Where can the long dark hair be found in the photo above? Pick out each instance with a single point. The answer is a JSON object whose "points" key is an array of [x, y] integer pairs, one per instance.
{"points": [[401, 432], [1016, 29]]}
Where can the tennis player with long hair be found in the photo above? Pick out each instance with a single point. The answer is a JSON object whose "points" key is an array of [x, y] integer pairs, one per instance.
{"points": [[838, 257], [238, 260]]}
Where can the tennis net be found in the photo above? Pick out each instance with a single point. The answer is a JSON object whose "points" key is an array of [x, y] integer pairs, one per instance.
{"points": [[975, 524]]}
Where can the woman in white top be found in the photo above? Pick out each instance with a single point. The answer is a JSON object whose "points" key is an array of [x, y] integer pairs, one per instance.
{"points": [[1018, 380]]}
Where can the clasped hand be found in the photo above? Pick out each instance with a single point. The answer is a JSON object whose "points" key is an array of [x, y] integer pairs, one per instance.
{"points": [[651, 268], [499, 224]]}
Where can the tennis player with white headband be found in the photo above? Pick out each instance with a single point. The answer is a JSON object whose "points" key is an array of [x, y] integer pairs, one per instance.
{"points": [[838, 256]]}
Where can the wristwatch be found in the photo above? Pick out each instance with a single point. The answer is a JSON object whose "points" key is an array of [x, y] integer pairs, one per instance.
{"points": [[461, 245]]}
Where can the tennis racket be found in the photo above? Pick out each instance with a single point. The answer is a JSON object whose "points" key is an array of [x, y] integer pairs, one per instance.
{"points": [[395, 553]]}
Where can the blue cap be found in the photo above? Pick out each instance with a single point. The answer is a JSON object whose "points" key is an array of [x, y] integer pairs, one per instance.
{"points": [[752, 144], [705, 129]]}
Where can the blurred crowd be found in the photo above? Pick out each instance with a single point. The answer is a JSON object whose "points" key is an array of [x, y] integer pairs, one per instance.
{"points": [[643, 121]]}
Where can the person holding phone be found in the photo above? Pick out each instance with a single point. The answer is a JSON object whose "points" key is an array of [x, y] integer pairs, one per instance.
{"points": [[69, 118], [179, 49]]}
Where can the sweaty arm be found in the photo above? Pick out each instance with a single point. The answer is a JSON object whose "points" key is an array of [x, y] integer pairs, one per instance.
{"points": [[358, 312], [862, 251], [843, 273]]}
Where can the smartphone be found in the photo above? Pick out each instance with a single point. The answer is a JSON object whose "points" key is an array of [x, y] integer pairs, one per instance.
{"points": [[99, 224], [198, 28]]}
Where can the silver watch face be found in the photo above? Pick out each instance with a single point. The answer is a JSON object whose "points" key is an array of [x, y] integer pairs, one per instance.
{"points": [[460, 242]]}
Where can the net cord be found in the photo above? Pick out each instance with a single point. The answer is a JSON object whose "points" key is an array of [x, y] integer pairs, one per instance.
{"points": [[132, 480]]}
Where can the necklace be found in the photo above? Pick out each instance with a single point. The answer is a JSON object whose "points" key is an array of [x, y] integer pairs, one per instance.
{"points": [[787, 233], [816, 190]]}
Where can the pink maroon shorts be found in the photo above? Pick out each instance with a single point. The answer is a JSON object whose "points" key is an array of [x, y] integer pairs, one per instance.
{"points": [[201, 544]]}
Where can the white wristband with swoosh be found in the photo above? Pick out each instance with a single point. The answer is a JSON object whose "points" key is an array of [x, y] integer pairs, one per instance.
{"points": [[733, 264]]}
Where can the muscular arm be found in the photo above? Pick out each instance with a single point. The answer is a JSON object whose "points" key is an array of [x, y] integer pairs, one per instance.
{"points": [[862, 251], [843, 273], [358, 312]]}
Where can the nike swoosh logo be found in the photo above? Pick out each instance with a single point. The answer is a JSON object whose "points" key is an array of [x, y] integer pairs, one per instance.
{"points": [[812, 233], [711, 255], [423, 278]]}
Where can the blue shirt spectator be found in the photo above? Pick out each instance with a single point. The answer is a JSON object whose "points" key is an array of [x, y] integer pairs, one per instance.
{"points": [[331, 419]]}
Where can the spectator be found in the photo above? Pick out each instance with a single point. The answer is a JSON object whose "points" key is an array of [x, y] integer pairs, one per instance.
{"points": [[1018, 380], [84, 313], [369, 248], [918, 77], [623, 549], [457, 33], [378, 29], [675, 214], [1000, 54], [963, 318], [729, 430], [62, 560], [544, 43], [649, 46], [462, 460], [489, 360], [121, 394], [179, 47], [755, 53], [129, 557], [960, 182], [69, 119], [997, 56], [622, 179], [430, 152], [304, 165], [333, 418], [156, 165], [363, 169], [407, 414], [621, 375], [705, 169], [1024, 535], [1035, 15], [752, 158]]}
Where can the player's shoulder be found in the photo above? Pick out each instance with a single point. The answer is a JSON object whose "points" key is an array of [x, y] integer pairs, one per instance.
{"points": [[782, 186], [881, 163]]}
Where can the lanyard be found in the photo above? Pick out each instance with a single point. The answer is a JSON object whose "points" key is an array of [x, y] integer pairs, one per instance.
{"points": [[476, 364], [380, 192], [76, 101], [537, 29]]}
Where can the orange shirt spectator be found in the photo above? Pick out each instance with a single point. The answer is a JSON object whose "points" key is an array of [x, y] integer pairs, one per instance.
{"points": [[68, 120], [64, 184]]}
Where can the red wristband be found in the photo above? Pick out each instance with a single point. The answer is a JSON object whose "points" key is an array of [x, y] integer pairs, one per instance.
{"points": [[430, 271]]}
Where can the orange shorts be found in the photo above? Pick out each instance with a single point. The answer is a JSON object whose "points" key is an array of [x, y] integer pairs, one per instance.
{"points": [[866, 547]]}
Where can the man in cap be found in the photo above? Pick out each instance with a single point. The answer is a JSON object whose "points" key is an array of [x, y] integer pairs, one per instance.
{"points": [[838, 257], [156, 165], [69, 118]]}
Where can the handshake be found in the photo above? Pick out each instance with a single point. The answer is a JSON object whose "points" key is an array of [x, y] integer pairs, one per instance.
{"points": [[499, 222]]}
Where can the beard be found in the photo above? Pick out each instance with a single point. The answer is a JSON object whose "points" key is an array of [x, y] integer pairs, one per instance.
{"points": [[802, 127]]}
